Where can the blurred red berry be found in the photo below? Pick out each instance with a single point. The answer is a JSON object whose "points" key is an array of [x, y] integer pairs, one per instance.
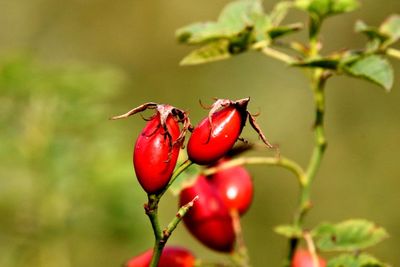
{"points": [[303, 258], [171, 257], [209, 219]]}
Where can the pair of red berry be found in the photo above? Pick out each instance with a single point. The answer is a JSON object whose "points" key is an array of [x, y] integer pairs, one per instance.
{"points": [[210, 219], [158, 145]]}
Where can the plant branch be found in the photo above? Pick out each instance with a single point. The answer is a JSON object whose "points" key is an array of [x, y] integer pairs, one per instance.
{"points": [[178, 218], [268, 51], [318, 80], [162, 238], [186, 164], [393, 53], [274, 161], [241, 254], [151, 209]]}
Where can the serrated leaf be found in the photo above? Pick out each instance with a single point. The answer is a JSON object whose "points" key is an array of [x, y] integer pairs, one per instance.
{"points": [[391, 28], [324, 8], [236, 18], [349, 260], [214, 51], [350, 235], [184, 179], [280, 31], [289, 231], [373, 68]]}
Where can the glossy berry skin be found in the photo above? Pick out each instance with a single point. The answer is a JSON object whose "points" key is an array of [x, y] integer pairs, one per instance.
{"points": [[171, 257], [209, 219], [235, 187], [212, 140], [303, 258], [155, 154]]}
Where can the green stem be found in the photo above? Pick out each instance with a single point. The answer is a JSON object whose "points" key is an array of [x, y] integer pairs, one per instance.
{"points": [[151, 208], [318, 79], [268, 51], [274, 161], [186, 164]]}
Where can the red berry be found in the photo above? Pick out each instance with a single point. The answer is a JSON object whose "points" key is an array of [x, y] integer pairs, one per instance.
{"points": [[171, 257], [155, 154], [235, 187], [216, 134], [157, 147], [303, 258], [209, 219], [210, 141]]}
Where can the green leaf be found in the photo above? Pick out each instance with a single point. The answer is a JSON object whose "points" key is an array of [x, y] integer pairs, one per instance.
{"points": [[344, 6], [350, 235], [280, 11], [373, 68], [391, 27], [261, 24], [280, 31], [369, 31], [324, 8], [214, 51], [199, 33], [289, 231], [349, 260], [237, 14], [236, 18]]}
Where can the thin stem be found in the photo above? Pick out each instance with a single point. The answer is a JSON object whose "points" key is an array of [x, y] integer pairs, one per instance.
{"points": [[268, 51], [186, 164], [274, 161], [241, 253], [177, 219], [162, 239], [393, 53], [151, 209], [311, 248]]}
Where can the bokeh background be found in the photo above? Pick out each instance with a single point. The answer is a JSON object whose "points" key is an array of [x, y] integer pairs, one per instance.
{"points": [[68, 195]]}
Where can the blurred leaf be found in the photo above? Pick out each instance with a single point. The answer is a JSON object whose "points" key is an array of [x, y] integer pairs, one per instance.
{"points": [[370, 32], [350, 235], [391, 28], [289, 231], [261, 24], [235, 18], [280, 11], [361, 260], [324, 8], [237, 13], [373, 68], [215, 51], [279, 31], [198, 33]]}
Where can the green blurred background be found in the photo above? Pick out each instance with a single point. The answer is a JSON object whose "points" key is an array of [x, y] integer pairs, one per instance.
{"points": [[68, 195]]}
